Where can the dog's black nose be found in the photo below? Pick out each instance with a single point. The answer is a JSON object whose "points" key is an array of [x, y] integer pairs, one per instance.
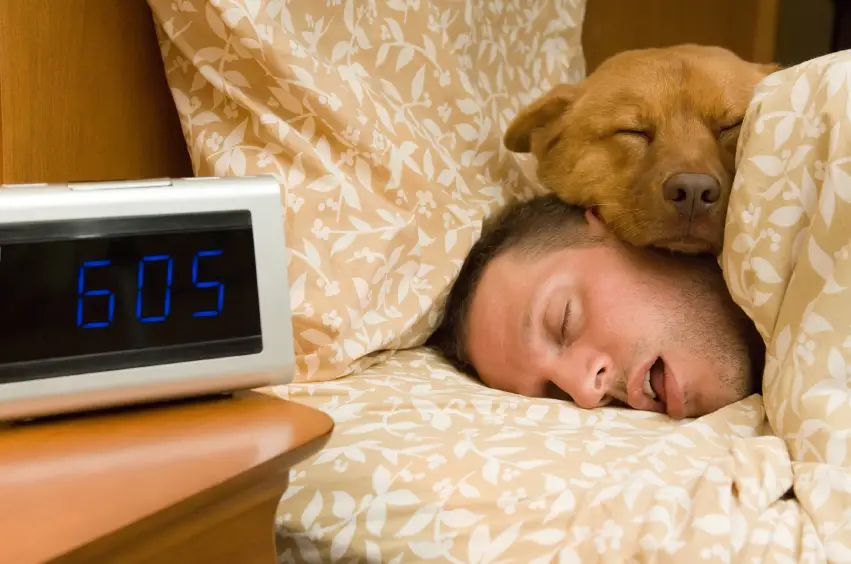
{"points": [[692, 194]]}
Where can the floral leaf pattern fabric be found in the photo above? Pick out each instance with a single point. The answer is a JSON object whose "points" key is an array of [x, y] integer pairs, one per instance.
{"points": [[427, 465], [787, 263], [383, 121]]}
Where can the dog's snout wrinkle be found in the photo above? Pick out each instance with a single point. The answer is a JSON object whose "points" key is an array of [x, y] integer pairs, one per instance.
{"points": [[692, 194]]}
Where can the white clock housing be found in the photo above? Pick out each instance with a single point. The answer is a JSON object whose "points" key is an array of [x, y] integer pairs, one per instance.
{"points": [[160, 347]]}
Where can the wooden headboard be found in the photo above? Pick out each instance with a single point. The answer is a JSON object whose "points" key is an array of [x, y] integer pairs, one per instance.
{"points": [[83, 94]]}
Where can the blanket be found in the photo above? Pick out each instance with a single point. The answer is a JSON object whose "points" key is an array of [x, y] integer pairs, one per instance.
{"points": [[787, 263]]}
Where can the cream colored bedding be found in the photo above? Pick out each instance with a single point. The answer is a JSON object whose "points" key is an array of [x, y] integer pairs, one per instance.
{"points": [[787, 262], [426, 464], [383, 122]]}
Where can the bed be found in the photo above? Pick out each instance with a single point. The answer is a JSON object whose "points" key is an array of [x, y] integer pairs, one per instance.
{"points": [[389, 156]]}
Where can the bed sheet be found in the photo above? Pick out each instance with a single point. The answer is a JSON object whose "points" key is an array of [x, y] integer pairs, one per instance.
{"points": [[428, 464]]}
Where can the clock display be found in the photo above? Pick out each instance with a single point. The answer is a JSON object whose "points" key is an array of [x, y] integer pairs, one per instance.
{"points": [[95, 295]]}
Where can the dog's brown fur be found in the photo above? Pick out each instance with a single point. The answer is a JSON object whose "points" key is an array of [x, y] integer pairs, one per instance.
{"points": [[612, 140]]}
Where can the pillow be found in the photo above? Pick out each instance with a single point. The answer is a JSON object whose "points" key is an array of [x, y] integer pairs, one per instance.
{"points": [[383, 122]]}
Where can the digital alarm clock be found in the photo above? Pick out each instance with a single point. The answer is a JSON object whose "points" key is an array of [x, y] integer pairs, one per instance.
{"points": [[127, 292]]}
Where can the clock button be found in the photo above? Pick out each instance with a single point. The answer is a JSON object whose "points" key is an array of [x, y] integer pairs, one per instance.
{"points": [[120, 185]]}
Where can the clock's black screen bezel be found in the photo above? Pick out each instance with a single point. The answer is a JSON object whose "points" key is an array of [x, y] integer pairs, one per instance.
{"points": [[104, 228]]}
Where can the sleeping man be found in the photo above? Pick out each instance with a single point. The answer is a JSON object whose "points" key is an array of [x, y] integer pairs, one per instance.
{"points": [[550, 303]]}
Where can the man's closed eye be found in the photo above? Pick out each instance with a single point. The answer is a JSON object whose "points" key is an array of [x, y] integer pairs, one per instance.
{"points": [[565, 324]]}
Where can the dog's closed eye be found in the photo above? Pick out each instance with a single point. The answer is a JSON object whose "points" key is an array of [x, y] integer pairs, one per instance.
{"points": [[732, 126], [636, 132]]}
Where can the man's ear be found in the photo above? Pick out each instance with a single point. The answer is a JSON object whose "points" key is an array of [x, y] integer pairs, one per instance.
{"points": [[538, 114], [595, 224]]}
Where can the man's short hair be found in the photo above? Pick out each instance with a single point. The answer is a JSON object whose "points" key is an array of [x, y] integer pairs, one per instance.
{"points": [[531, 228]]}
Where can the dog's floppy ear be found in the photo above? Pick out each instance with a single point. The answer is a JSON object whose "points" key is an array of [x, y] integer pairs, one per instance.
{"points": [[538, 114]]}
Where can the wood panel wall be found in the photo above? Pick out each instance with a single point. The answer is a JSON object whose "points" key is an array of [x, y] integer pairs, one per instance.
{"points": [[747, 27], [83, 95]]}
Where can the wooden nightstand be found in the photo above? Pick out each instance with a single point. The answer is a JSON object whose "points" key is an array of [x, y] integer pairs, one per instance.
{"points": [[186, 482]]}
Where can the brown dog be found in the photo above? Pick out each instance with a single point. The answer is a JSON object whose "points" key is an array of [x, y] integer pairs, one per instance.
{"points": [[648, 139]]}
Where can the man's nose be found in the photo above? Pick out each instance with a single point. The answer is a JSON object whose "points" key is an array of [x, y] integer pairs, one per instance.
{"points": [[588, 379]]}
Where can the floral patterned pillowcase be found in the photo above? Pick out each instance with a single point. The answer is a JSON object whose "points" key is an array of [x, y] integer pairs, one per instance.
{"points": [[383, 122]]}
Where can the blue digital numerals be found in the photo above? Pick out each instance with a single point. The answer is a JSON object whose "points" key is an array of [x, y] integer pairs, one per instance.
{"points": [[84, 294], [220, 300], [140, 284]]}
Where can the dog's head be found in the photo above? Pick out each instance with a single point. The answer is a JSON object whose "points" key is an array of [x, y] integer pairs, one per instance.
{"points": [[648, 139]]}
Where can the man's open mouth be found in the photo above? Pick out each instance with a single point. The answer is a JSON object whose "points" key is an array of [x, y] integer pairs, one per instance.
{"points": [[654, 381], [654, 387]]}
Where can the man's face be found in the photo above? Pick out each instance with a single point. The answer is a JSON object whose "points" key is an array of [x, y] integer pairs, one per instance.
{"points": [[593, 323]]}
